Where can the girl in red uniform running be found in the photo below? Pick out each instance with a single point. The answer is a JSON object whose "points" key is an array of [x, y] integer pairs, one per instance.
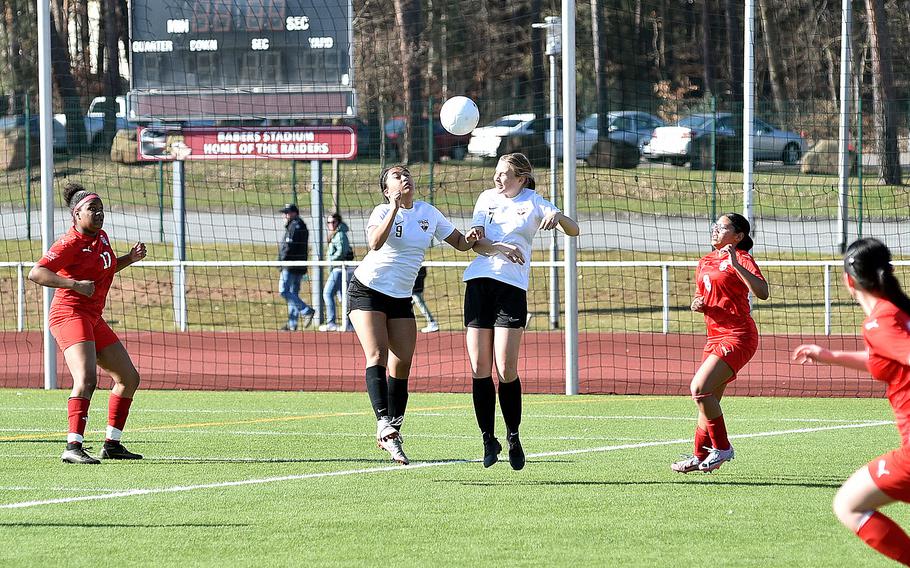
{"points": [[724, 279], [81, 265], [869, 277]]}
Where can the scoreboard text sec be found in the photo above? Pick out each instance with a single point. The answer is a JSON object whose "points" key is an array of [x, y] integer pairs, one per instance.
{"points": [[246, 45]]}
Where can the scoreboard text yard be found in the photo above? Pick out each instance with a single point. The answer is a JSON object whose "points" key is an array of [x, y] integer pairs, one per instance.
{"points": [[262, 58]]}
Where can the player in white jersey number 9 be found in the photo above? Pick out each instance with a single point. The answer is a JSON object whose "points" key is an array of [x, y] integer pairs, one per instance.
{"points": [[379, 296]]}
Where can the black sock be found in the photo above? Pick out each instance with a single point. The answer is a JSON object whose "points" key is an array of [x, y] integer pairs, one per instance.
{"points": [[398, 400], [484, 393], [378, 389], [510, 402]]}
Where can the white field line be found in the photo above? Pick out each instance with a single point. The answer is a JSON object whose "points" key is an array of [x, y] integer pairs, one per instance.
{"points": [[397, 468], [668, 418]]}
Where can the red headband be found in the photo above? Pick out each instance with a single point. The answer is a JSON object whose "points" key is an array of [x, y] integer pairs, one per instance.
{"points": [[85, 200]]}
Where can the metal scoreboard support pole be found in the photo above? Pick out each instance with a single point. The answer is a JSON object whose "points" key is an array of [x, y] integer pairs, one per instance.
{"points": [[316, 215], [46, 111], [568, 176]]}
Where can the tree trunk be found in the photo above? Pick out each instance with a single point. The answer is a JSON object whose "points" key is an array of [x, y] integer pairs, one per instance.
{"points": [[598, 27], [61, 67], [14, 57], [885, 113], [734, 52], [408, 18], [775, 72], [706, 49], [538, 74], [111, 73]]}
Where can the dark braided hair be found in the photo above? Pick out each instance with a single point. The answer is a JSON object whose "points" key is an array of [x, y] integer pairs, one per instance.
{"points": [[741, 225], [73, 192], [868, 261]]}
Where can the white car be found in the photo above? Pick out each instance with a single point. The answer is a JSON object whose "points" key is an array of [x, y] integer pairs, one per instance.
{"points": [[486, 140], [674, 143]]}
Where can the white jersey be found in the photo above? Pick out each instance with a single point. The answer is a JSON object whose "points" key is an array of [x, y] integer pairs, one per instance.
{"points": [[393, 268], [512, 220]]}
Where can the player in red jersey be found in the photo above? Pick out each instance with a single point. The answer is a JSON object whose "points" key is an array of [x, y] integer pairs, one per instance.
{"points": [[869, 277], [724, 279], [81, 265]]}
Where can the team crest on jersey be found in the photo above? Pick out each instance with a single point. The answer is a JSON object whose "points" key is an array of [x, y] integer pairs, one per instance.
{"points": [[872, 324], [523, 210], [104, 240], [424, 224], [723, 265]]}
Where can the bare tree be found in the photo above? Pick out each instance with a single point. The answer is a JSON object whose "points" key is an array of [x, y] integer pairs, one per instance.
{"points": [[598, 27], [66, 83], [772, 44], [885, 112], [407, 15]]}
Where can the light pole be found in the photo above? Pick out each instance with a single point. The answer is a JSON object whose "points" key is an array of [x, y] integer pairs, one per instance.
{"points": [[553, 25]]}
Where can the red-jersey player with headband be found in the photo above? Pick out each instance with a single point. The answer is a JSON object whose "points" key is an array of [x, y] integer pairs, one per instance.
{"points": [[869, 277], [81, 265], [724, 279]]}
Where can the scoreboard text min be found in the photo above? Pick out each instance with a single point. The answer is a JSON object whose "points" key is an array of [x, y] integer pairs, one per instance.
{"points": [[240, 46]]}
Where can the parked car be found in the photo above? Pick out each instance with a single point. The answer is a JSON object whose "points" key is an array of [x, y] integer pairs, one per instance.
{"points": [[445, 144], [94, 118], [18, 121], [675, 143], [500, 136], [631, 127]]}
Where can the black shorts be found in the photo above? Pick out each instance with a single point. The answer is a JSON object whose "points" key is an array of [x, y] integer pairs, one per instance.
{"points": [[489, 303], [361, 297]]}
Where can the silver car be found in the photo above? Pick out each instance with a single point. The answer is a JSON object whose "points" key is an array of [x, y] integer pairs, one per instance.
{"points": [[674, 143], [629, 126]]}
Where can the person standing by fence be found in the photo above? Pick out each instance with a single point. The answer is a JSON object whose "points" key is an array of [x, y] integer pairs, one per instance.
{"points": [[339, 250], [294, 246]]}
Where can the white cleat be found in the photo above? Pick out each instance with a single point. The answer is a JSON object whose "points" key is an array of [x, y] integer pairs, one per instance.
{"points": [[388, 439], [431, 327], [686, 465], [715, 459]]}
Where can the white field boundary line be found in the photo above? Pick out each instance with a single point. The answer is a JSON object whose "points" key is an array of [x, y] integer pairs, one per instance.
{"points": [[424, 465]]}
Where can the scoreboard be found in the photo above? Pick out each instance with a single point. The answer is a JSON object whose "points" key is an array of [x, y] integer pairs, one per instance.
{"points": [[236, 59]]}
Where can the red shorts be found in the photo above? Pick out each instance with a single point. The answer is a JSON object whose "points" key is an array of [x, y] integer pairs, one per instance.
{"points": [[891, 473], [734, 351], [71, 327]]}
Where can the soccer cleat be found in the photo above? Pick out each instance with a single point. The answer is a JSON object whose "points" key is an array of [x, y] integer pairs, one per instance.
{"points": [[74, 453], [516, 452], [491, 449], [715, 459], [430, 327], [392, 444], [331, 326], [114, 450], [686, 465]]}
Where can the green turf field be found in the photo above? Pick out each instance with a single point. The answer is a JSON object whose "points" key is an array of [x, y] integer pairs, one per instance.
{"points": [[295, 479]]}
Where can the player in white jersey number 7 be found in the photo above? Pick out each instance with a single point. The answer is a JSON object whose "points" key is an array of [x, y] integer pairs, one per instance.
{"points": [[379, 296], [496, 302]]}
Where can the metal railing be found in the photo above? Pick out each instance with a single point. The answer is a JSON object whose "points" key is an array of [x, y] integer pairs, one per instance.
{"points": [[180, 307]]}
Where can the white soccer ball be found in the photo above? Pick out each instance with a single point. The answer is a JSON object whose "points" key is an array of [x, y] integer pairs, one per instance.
{"points": [[459, 115]]}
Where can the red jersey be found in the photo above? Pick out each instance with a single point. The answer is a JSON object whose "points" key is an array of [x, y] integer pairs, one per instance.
{"points": [[887, 335], [82, 257], [727, 310]]}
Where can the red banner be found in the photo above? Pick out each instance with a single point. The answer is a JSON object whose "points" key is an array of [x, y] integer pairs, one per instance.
{"points": [[231, 143]]}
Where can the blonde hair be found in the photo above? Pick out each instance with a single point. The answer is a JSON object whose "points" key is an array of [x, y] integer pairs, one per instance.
{"points": [[521, 167]]}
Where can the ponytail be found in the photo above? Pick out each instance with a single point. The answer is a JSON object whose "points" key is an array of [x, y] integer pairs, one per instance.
{"points": [[891, 289], [868, 262]]}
